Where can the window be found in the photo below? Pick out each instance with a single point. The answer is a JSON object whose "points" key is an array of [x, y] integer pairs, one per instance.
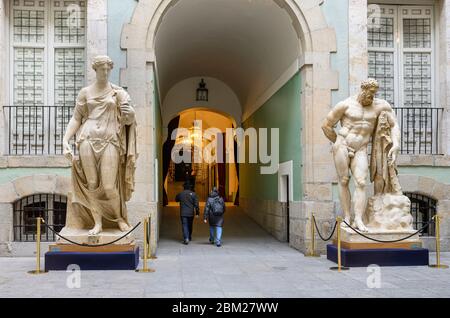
{"points": [[401, 58], [50, 207], [47, 58], [423, 209]]}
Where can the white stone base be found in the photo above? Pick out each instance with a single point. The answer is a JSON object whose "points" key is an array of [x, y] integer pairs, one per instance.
{"points": [[350, 236], [104, 237]]}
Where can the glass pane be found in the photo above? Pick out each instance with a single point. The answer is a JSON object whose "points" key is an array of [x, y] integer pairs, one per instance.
{"points": [[381, 67], [28, 87], [69, 79], [70, 22], [417, 79], [381, 34], [28, 26], [417, 33], [28, 76], [69, 75]]}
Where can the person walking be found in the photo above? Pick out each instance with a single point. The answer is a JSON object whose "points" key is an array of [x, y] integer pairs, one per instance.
{"points": [[213, 213], [188, 204]]}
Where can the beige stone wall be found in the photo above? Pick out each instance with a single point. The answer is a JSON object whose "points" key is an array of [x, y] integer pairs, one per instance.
{"points": [[97, 33], [357, 45], [4, 69], [269, 214], [443, 8]]}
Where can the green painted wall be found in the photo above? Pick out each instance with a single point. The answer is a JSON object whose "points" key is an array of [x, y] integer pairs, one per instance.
{"points": [[336, 14], [119, 13], [440, 174], [9, 174], [281, 111]]}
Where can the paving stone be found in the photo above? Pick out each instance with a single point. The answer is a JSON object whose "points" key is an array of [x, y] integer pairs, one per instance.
{"points": [[250, 264]]}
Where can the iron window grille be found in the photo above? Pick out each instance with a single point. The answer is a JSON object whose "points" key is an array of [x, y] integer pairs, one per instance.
{"points": [[423, 209], [51, 207]]}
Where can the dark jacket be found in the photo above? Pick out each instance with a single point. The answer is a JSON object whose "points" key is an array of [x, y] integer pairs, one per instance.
{"points": [[214, 220], [188, 203]]}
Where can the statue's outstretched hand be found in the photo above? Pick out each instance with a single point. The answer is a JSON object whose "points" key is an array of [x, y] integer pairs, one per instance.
{"points": [[67, 151]]}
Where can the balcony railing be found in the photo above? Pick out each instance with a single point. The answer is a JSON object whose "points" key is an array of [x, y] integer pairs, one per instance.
{"points": [[39, 130], [36, 130], [420, 129]]}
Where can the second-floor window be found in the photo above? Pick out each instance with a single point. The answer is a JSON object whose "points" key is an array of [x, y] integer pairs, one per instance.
{"points": [[401, 57], [47, 62], [401, 51]]}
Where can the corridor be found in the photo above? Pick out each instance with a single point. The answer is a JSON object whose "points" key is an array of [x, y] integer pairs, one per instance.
{"points": [[238, 228]]}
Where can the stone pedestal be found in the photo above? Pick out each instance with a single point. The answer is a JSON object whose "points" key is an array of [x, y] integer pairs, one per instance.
{"points": [[106, 236], [380, 256], [352, 240], [120, 255], [358, 251], [92, 260]]}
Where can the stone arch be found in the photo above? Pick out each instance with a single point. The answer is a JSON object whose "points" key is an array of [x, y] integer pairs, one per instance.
{"points": [[24, 186], [295, 10], [424, 185], [180, 99], [317, 41], [431, 188]]}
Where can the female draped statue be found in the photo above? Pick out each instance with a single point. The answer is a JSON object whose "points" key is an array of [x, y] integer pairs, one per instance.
{"points": [[103, 174]]}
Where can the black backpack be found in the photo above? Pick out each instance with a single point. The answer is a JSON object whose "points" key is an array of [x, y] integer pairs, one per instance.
{"points": [[217, 206]]}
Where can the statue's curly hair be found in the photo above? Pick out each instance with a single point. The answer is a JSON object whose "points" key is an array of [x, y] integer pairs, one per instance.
{"points": [[100, 60], [369, 83]]}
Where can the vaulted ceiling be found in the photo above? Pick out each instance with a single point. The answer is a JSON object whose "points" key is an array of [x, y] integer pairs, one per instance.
{"points": [[247, 44]]}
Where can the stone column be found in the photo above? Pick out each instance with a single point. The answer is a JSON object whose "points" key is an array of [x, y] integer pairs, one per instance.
{"points": [[96, 33], [6, 228], [357, 44], [4, 70], [443, 9], [138, 78]]}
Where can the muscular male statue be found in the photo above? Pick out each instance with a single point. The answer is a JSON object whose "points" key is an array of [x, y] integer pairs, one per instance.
{"points": [[358, 116]]}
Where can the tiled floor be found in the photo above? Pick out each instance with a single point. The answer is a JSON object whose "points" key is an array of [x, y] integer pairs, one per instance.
{"points": [[249, 264]]}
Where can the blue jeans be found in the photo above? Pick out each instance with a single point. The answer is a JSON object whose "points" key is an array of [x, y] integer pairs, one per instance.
{"points": [[186, 224], [215, 234]]}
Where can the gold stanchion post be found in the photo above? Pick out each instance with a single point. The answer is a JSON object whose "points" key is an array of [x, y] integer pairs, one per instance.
{"points": [[438, 243], [149, 239], [38, 249], [312, 252], [339, 267], [145, 268]]}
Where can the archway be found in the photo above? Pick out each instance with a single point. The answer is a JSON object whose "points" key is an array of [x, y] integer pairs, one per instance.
{"points": [[244, 45], [202, 175]]}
